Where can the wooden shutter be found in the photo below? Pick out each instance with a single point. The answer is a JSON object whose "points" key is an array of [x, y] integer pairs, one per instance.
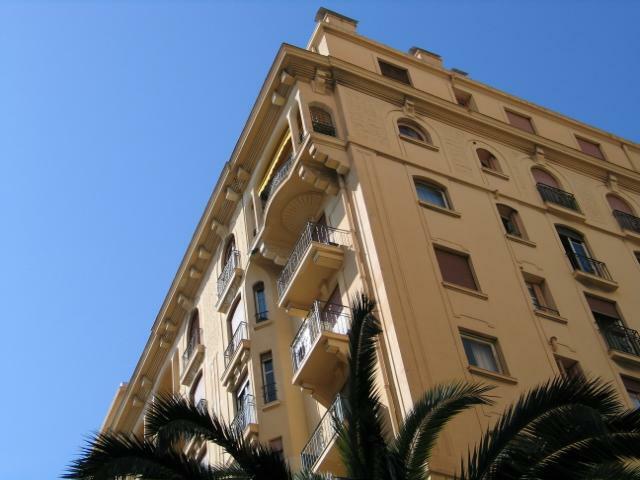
{"points": [[604, 307], [520, 121], [543, 177], [617, 203], [590, 148], [455, 268]]}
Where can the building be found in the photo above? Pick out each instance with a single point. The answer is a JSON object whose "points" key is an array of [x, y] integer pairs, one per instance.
{"points": [[500, 240]]}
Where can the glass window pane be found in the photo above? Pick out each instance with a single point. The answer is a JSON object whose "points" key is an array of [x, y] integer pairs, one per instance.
{"points": [[431, 194], [480, 354]]}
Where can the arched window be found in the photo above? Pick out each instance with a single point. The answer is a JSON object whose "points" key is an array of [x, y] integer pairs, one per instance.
{"points": [[618, 204], [260, 301], [550, 190], [193, 333], [544, 178], [432, 194], [229, 251], [321, 121], [576, 250], [511, 221], [623, 213], [487, 159], [409, 129]]}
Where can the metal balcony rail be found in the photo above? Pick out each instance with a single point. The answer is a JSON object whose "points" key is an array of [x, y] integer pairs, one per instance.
{"points": [[227, 272], [627, 221], [322, 317], [202, 405], [323, 434], [313, 232], [269, 393], [621, 338], [192, 344], [324, 128], [241, 333], [589, 265], [559, 197], [246, 415], [262, 316], [275, 181], [544, 308]]}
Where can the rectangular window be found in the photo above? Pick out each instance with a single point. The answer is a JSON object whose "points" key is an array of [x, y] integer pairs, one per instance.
{"points": [[637, 254], [481, 353], [539, 296], [590, 148], [604, 311], [633, 389], [569, 368], [464, 99], [270, 393], [394, 72], [432, 194], [520, 121], [260, 302], [456, 269]]}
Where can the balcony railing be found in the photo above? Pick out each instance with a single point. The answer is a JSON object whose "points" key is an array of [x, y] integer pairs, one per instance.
{"points": [[192, 344], [262, 316], [589, 265], [227, 272], [241, 333], [559, 197], [627, 221], [269, 393], [322, 318], [246, 415], [312, 232], [324, 128], [621, 338], [277, 178], [323, 434]]}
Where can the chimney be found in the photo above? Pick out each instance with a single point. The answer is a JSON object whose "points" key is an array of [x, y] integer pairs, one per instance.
{"points": [[333, 18], [426, 56]]}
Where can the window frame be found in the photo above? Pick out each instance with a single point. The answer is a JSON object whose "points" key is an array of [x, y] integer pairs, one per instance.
{"points": [[495, 351], [632, 388], [464, 255], [435, 187], [269, 390], [260, 315], [582, 140], [381, 62], [494, 164], [514, 219], [533, 130]]}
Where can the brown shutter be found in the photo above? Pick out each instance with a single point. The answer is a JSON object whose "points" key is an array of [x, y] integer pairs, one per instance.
{"points": [[543, 177], [590, 148], [617, 203], [520, 121], [604, 307], [396, 73], [455, 268]]}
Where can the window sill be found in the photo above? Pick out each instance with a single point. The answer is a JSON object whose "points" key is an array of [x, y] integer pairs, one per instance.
{"points": [[271, 405], [550, 316], [421, 143], [446, 211], [466, 290], [501, 377], [566, 212], [632, 234], [521, 240], [495, 173], [262, 324]]}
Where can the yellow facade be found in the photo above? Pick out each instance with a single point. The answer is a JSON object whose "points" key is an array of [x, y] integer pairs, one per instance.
{"points": [[380, 151]]}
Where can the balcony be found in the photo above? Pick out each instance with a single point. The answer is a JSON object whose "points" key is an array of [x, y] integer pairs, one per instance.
{"points": [[318, 253], [228, 281], [274, 182], [192, 358], [320, 453], [623, 342], [319, 351], [555, 196], [627, 221], [236, 354], [591, 272], [245, 423]]}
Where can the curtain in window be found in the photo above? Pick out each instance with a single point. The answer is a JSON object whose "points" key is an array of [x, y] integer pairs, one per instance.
{"points": [[480, 354]]}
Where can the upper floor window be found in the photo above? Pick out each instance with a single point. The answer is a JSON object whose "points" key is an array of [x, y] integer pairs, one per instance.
{"points": [[623, 213], [520, 121], [590, 148], [229, 250], [540, 296], [544, 177], [193, 331], [487, 159], [511, 221], [196, 394], [321, 121], [632, 386], [576, 249], [269, 391], [464, 99], [551, 192], [481, 352], [411, 130], [637, 254], [260, 302], [394, 72], [568, 367], [456, 268], [432, 194]]}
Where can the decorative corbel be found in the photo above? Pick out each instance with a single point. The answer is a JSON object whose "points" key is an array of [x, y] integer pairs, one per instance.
{"points": [[145, 384], [137, 402], [278, 99], [242, 174], [409, 107], [218, 228], [612, 182], [195, 273], [203, 253], [321, 82], [538, 154], [165, 342], [185, 302], [232, 195], [286, 78]]}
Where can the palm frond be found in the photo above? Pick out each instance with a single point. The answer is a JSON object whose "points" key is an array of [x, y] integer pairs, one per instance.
{"points": [[618, 470]]}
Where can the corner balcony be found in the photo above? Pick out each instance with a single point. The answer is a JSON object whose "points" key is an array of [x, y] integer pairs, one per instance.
{"points": [[245, 423], [591, 272], [319, 351], [623, 343], [228, 281], [320, 454], [314, 259], [274, 182], [627, 221], [236, 355], [192, 359]]}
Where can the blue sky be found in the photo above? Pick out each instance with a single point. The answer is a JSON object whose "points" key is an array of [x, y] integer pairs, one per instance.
{"points": [[115, 119]]}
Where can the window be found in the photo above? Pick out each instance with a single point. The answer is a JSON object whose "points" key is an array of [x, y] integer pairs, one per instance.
{"points": [[577, 251], [520, 121], [510, 221], [193, 333], [487, 159], [394, 72], [412, 131], [229, 251], [623, 213], [618, 204], [196, 394], [590, 148], [269, 391], [464, 99], [637, 254], [545, 178], [481, 352], [569, 368], [633, 389], [321, 121], [616, 334], [260, 302], [604, 311], [277, 447], [432, 194], [550, 190], [540, 298], [455, 268]]}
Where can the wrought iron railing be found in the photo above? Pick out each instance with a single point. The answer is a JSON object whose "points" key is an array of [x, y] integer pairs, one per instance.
{"points": [[246, 415], [262, 316], [324, 128], [322, 318], [269, 392], [312, 232], [589, 265], [621, 338], [627, 221], [323, 434], [559, 197], [228, 271], [276, 179], [192, 343], [241, 333]]}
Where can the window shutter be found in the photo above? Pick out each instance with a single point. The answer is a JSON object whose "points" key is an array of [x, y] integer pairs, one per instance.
{"points": [[590, 148], [543, 177], [603, 307], [618, 204], [398, 74], [520, 121], [455, 269]]}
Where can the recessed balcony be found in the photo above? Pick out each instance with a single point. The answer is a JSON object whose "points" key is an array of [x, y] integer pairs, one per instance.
{"points": [[623, 343], [228, 281], [318, 253], [192, 359], [627, 221], [245, 423], [320, 454], [319, 350], [236, 354], [591, 272]]}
